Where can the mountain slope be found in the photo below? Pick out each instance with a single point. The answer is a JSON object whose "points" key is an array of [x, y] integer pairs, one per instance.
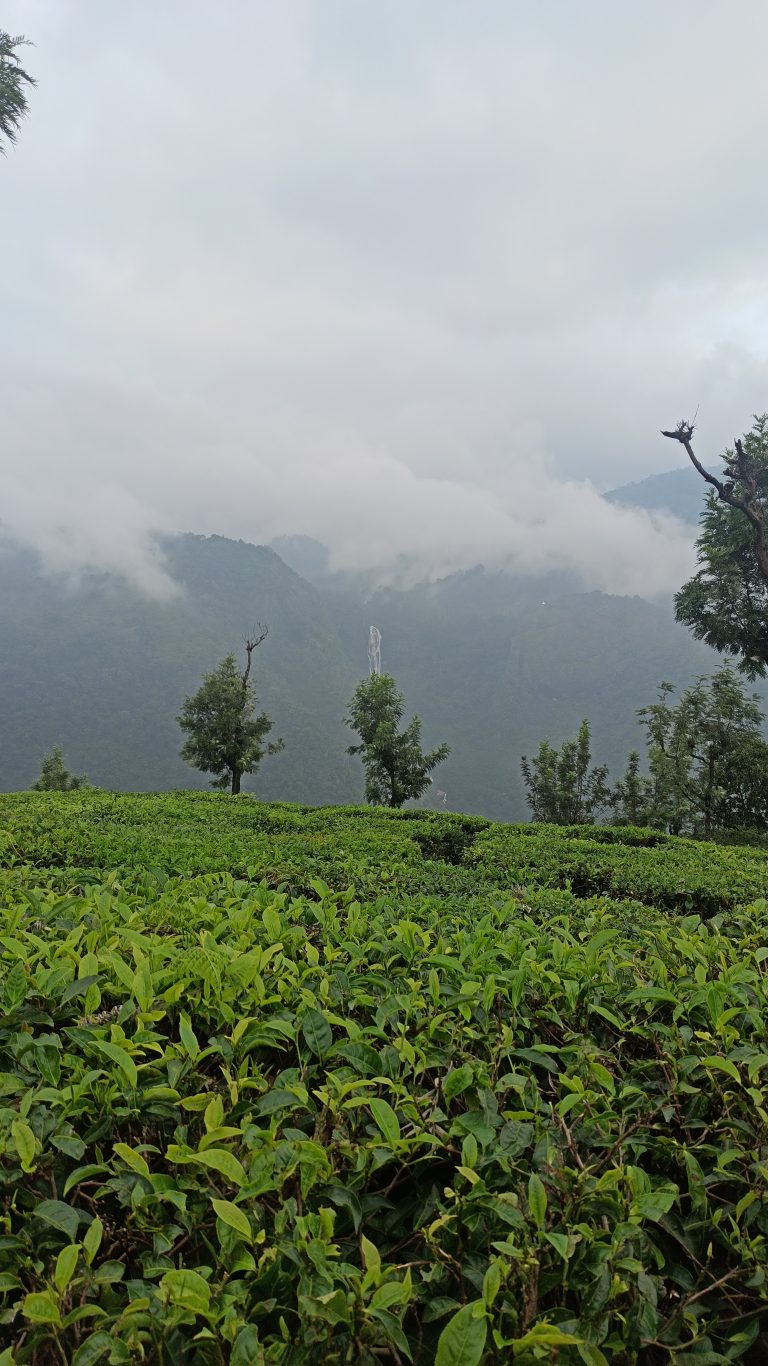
{"points": [[495, 679], [103, 671], [679, 491], [492, 664]]}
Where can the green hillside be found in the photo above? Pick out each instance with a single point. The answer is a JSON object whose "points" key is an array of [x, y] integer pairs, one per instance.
{"points": [[679, 491], [103, 670], [492, 663], [290, 1085]]}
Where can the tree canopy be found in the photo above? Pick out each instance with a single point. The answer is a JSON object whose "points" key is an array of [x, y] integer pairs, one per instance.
{"points": [[226, 736], [725, 603], [561, 787], [396, 769], [14, 83], [630, 798], [55, 776], [707, 757]]}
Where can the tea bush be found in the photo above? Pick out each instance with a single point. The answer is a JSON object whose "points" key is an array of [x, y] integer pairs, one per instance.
{"points": [[391, 1107]]}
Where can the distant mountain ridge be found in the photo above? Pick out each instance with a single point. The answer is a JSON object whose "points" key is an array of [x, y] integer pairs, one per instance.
{"points": [[492, 663], [680, 491]]}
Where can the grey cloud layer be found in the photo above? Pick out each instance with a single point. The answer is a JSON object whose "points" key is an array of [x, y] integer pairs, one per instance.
{"points": [[402, 277]]}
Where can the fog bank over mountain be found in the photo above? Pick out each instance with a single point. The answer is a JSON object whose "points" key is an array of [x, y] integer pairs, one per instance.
{"points": [[409, 282], [373, 512]]}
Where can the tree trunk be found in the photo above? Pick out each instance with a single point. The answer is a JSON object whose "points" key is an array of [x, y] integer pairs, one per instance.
{"points": [[708, 795], [236, 775]]}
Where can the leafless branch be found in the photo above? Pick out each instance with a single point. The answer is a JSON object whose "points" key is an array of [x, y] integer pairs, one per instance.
{"points": [[738, 467], [255, 637]]}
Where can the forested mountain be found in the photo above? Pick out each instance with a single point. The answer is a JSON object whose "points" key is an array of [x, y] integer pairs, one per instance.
{"points": [[492, 663], [680, 491], [103, 670]]}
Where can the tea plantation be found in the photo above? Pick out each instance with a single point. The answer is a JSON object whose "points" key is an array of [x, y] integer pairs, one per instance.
{"points": [[338, 1085]]}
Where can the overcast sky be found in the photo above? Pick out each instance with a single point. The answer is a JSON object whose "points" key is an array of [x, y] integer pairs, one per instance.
{"points": [[414, 276]]}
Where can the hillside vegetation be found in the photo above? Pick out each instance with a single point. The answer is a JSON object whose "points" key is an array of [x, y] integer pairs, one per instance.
{"points": [[492, 663], [285, 1085]]}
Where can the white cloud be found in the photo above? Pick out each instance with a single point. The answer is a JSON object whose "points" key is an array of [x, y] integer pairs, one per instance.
{"points": [[393, 276]]}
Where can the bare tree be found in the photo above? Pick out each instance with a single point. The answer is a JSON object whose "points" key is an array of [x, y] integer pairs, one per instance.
{"points": [[258, 634]]}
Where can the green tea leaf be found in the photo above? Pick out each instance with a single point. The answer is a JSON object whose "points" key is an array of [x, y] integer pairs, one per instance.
{"points": [[592, 1356], [546, 1337], [491, 1284], [469, 1174], [561, 1243], [457, 1081], [24, 1142], [386, 1119], [142, 986], [83, 1173], [186, 1289], [462, 1340], [131, 1158], [41, 1307], [188, 1036], [317, 1033], [235, 1217], [14, 987], [245, 1350], [80, 986], [537, 1200], [722, 1065], [92, 1239], [60, 1215], [218, 1159], [95, 1350], [653, 1204], [392, 1292], [370, 1253], [66, 1263], [120, 1058], [213, 1116], [272, 923]]}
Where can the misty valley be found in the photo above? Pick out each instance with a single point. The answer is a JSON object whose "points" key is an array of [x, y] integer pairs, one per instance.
{"points": [[492, 661]]}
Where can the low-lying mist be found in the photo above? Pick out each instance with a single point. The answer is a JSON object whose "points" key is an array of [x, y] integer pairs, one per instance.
{"points": [[370, 509]]}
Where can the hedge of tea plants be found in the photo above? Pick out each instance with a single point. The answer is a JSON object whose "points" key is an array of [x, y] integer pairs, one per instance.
{"points": [[282, 1085]]}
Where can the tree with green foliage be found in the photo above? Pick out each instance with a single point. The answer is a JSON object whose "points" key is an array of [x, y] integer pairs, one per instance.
{"points": [[55, 776], [396, 769], [707, 757], [631, 798], [14, 81], [561, 787], [725, 603], [226, 736]]}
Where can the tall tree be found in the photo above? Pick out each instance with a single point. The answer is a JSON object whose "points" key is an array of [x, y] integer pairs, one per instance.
{"points": [[631, 798], [396, 769], [14, 82], [561, 787], [55, 776], [707, 757], [226, 736], [725, 603]]}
